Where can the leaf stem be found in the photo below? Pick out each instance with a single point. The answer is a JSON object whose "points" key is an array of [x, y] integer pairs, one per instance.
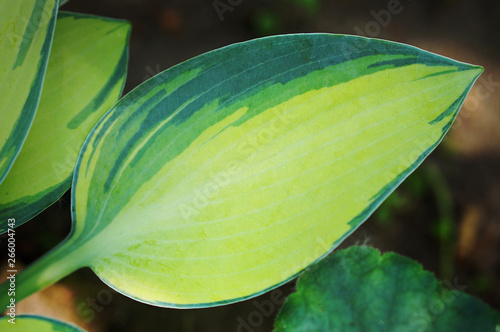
{"points": [[445, 226], [55, 265]]}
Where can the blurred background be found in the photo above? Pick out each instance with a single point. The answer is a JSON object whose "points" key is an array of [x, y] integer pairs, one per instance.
{"points": [[446, 215]]}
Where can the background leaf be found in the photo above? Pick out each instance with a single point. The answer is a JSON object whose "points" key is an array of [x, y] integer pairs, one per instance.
{"points": [[26, 30], [357, 289], [85, 77], [31, 323]]}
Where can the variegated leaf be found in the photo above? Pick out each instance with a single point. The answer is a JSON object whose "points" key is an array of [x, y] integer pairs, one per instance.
{"points": [[85, 77], [26, 30], [227, 175], [34, 323]]}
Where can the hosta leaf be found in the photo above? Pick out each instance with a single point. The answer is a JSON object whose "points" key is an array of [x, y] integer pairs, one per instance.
{"points": [[26, 30], [31, 323], [85, 77], [357, 289], [230, 173]]}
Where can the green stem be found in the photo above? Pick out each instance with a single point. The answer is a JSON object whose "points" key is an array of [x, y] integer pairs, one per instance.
{"points": [[445, 224], [55, 265]]}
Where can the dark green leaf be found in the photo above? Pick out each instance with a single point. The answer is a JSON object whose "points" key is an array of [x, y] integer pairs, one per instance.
{"points": [[357, 289]]}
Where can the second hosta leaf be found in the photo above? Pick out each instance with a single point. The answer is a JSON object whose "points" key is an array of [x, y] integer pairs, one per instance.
{"points": [[29, 323], [230, 173], [85, 77], [26, 30]]}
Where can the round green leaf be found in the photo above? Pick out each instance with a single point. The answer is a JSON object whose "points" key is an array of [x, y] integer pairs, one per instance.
{"points": [[357, 289]]}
